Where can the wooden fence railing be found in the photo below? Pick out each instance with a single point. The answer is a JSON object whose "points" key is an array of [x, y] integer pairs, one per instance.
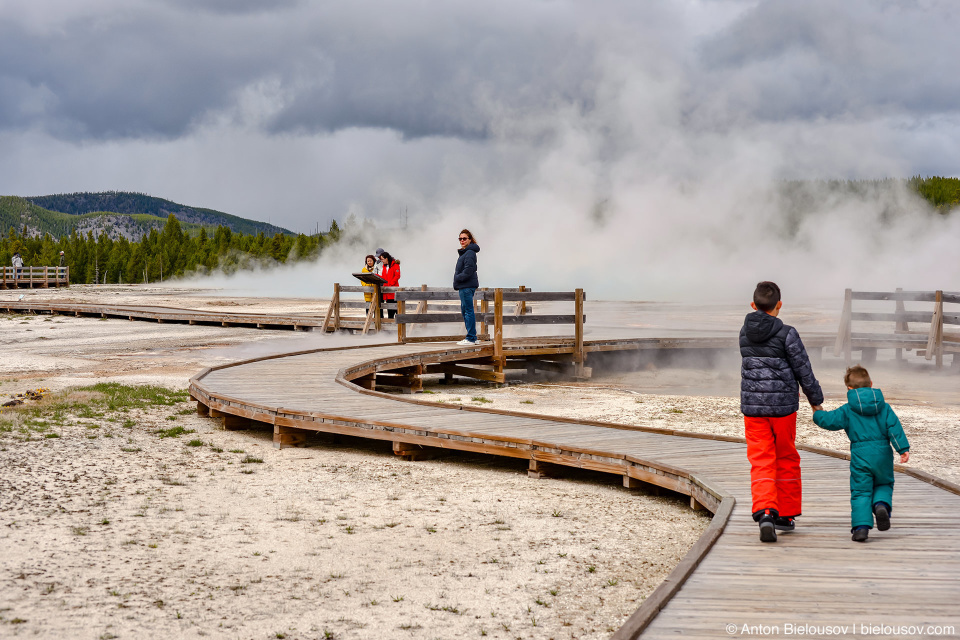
{"points": [[931, 342], [42, 277], [497, 317], [354, 313]]}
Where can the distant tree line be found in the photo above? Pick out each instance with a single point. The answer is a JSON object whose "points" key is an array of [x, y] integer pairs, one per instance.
{"points": [[162, 254]]}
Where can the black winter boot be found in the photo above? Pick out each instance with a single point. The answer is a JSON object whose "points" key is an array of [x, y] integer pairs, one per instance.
{"points": [[768, 529], [882, 513], [860, 534]]}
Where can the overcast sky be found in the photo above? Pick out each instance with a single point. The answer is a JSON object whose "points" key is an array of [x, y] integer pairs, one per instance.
{"points": [[297, 111]]}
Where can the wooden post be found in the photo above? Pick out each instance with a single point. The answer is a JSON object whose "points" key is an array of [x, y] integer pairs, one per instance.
{"points": [[843, 346], [422, 305], [902, 325], [46, 277], [401, 327], [68, 275], [484, 309], [377, 297], [334, 304], [522, 305], [935, 337], [369, 319], [578, 332], [498, 330]]}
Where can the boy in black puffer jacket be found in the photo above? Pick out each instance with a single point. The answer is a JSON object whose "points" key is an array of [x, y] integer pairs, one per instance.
{"points": [[774, 367]]}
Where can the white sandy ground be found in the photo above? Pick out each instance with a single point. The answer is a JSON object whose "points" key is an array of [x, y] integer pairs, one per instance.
{"points": [[110, 531]]}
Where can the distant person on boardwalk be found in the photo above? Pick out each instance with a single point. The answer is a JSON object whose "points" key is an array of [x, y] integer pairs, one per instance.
{"points": [[465, 281], [390, 273], [369, 266], [774, 361], [17, 265], [873, 428], [63, 260]]}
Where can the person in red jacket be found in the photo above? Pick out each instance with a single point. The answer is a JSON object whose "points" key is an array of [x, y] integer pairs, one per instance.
{"points": [[390, 273]]}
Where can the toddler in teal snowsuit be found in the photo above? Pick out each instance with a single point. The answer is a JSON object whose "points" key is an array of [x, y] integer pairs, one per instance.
{"points": [[872, 427]]}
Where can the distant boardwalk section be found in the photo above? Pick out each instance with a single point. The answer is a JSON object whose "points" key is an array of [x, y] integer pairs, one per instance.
{"points": [[34, 277]]}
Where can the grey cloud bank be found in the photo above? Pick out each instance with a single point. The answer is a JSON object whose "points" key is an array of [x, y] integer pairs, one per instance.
{"points": [[627, 145]]}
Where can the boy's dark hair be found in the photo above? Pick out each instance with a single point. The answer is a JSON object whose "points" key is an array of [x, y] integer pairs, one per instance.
{"points": [[857, 377], [766, 296]]}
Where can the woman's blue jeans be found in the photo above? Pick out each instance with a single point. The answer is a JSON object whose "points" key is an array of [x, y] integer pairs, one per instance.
{"points": [[466, 308]]}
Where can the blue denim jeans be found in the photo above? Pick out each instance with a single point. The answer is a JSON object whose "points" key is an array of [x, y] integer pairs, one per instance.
{"points": [[466, 308]]}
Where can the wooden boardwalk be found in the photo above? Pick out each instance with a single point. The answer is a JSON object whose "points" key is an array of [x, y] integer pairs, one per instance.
{"points": [[164, 314], [815, 576], [728, 586]]}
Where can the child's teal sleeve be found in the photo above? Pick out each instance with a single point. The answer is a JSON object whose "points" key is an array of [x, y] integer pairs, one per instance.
{"points": [[835, 420], [895, 430]]}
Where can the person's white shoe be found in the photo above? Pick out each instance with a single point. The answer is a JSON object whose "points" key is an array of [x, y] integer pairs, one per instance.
{"points": [[466, 343]]}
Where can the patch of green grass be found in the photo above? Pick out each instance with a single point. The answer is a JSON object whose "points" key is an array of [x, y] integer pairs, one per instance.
{"points": [[130, 449], [128, 424], [446, 607], [51, 435], [675, 411], [195, 443], [526, 402], [248, 459], [174, 432], [117, 396], [216, 449], [237, 451], [480, 399]]}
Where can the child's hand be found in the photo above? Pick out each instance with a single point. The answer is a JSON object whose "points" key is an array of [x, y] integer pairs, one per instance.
{"points": [[905, 457], [817, 407]]}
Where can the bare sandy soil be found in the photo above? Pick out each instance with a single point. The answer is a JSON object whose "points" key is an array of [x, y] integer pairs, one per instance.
{"points": [[110, 530]]}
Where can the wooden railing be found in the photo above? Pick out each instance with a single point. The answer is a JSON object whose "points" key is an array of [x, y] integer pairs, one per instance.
{"points": [[344, 310], [931, 342], [16, 277], [496, 317]]}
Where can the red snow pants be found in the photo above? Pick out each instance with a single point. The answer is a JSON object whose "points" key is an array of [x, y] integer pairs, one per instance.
{"points": [[774, 464]]}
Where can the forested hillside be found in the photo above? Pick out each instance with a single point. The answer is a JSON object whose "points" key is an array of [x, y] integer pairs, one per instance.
{"points": [[162, 254], [130, 203]]}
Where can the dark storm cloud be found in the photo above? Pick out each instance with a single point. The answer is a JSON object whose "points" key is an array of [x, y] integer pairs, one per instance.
{"points": [[461, 69], [233, 6], [440, 70], [858, 59]]}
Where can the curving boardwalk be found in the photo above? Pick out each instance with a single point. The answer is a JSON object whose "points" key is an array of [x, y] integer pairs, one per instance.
{"points": [[815, 582], [812, 579]]}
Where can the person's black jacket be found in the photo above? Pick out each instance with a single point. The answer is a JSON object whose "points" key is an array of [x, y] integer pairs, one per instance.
{"points": [[465, 276], [774, 362]]}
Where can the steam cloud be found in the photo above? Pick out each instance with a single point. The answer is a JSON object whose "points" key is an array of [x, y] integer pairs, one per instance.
{"points": [[633, 149]]}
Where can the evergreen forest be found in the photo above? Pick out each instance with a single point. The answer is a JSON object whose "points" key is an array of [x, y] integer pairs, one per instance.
{"points": [[164, 254]]}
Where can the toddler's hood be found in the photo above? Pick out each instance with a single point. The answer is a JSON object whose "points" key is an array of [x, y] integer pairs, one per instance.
{"points": [[866, 401]]}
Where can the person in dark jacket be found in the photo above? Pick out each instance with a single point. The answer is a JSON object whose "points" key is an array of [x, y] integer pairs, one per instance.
{"points": [[873, 428], [465, 281], [774, 367]]}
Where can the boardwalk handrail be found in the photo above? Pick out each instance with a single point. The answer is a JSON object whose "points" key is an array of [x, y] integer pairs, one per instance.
{"points": [[497, 318], [932, 342], [435, 299], [31, 277]]}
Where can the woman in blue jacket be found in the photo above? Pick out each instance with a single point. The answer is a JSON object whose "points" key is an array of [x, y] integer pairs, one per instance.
{"points": [[465, 282]]}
